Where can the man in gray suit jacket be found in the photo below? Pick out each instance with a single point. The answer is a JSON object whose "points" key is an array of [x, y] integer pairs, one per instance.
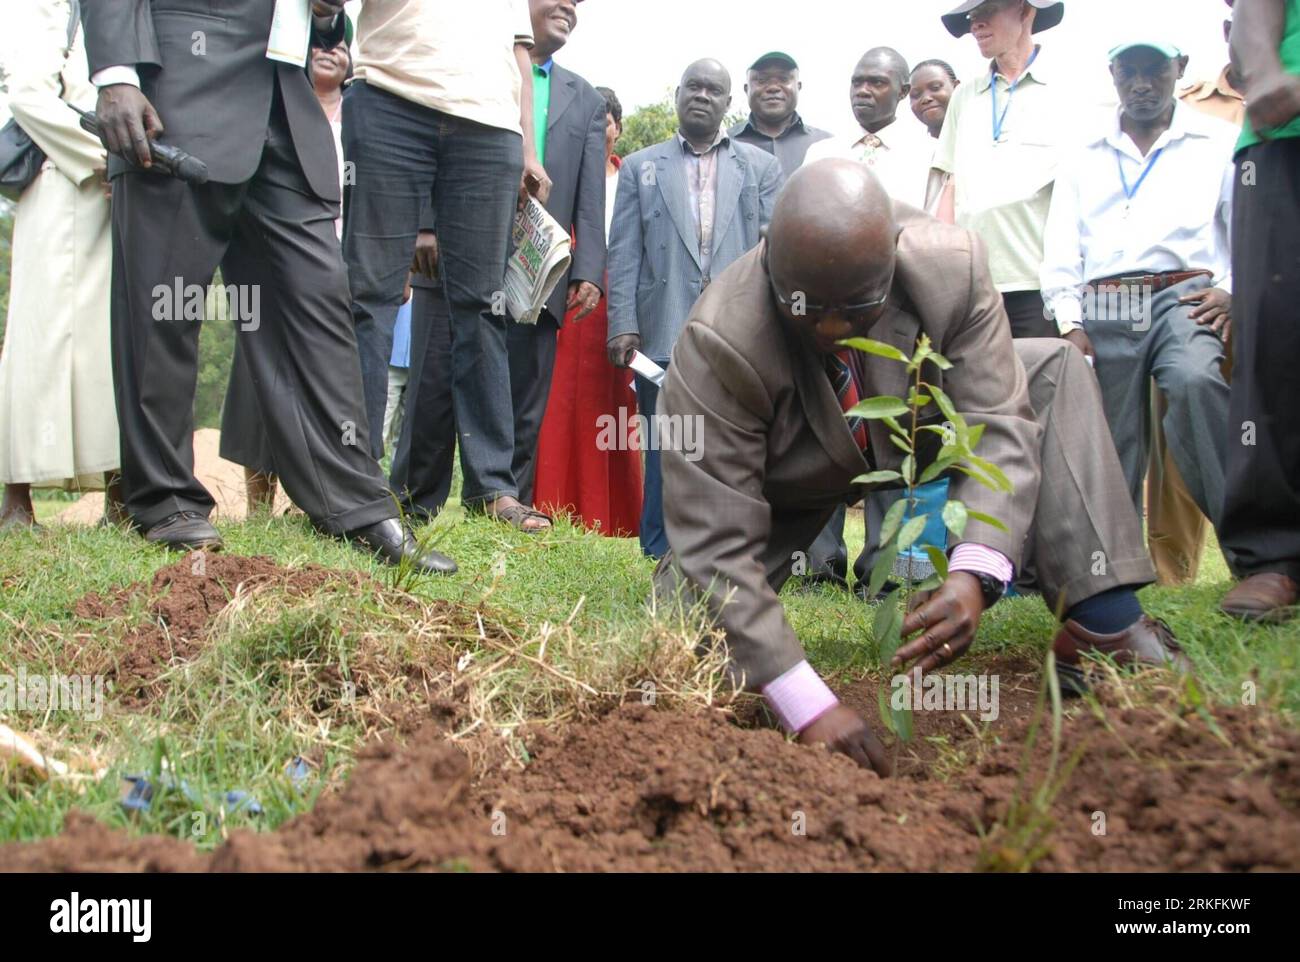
{"points": [[202, 81], [571, 146], [685, 209], [759, 368]]}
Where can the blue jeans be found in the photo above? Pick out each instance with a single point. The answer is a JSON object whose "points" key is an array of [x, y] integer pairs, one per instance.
{"points": [[654, 538], [402, 158]]}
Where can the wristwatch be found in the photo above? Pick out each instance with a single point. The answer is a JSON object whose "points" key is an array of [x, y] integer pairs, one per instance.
{"points": [[992, 588]]}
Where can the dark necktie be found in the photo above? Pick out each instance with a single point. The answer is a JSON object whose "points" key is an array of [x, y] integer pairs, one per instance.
{"points": [[846, 389]]}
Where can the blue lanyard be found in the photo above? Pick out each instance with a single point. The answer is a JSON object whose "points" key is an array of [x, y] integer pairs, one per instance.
{"points": [[1000, 119], [1119, 159]]}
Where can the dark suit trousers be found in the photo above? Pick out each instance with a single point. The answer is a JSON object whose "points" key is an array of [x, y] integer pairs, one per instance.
{"points": [[243, 439], [654, 536], [1260, 527], [1028, 314], [274, 239], [426, 446], [532, 362]]}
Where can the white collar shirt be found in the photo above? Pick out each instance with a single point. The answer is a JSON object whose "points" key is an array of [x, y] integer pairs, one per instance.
{"points": [[898, 155], [1178, 219]]}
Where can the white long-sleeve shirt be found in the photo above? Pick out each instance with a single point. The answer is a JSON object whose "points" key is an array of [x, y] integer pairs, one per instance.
{"points": [[1177, 220], [898, 154]]}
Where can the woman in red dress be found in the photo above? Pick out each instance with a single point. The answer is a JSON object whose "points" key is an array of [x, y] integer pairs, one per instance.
{"points": [[588, 464]]}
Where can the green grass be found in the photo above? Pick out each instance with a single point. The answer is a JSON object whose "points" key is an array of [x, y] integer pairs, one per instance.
{"points": [[234, 716]]}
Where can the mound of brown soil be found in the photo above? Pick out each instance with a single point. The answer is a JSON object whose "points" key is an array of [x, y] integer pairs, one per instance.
{"points": [[86, 845], [182, 601], [656, 790]]}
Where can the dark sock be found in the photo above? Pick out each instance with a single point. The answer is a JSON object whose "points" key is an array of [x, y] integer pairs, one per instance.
{"points": [[1109, 612]]}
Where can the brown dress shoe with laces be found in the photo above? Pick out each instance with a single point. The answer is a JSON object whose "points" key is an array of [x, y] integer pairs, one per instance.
{"points": [[1147, 642], [1269, 597]]}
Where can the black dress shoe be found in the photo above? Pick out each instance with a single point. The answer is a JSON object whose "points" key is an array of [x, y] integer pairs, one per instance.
{"points": [[390, 542], [185, 531]]}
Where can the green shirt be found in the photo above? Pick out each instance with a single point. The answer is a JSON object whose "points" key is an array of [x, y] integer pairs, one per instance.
{"points": [[541, 106], [1289, 51]]}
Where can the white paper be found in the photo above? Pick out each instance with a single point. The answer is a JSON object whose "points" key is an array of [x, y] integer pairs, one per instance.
{"points": [[290, 32], [648, 369]]}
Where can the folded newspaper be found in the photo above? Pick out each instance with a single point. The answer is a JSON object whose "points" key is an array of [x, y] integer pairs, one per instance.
{"points": [[538, 261]]}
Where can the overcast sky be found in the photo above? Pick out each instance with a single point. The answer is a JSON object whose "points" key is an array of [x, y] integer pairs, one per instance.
{"points": [[639, 48]]}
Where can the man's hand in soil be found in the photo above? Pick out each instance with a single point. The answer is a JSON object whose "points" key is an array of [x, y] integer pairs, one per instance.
{"points": [[127, 122], [947, 621], [843, 730]]}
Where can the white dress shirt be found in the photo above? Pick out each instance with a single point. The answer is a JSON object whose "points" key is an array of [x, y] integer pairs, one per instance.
{"points": [[899, 154], [1177, 220]]}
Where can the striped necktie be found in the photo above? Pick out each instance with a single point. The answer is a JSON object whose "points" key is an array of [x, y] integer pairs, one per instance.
{"points": [[846, 389]]}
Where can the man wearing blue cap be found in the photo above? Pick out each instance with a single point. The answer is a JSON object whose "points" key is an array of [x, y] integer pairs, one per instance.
{"points": [[1137, 270]]}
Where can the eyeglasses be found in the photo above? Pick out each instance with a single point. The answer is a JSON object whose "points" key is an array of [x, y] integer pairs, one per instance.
{"points": [[986, 10], [799, 307]]}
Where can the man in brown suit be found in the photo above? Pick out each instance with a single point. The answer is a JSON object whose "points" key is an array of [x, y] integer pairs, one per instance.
{"points": [[759, 369]]}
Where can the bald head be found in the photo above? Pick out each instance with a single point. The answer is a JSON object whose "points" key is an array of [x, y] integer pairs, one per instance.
{"points": [[889, 59], [880, 81], [703, 97], [830, 248]]}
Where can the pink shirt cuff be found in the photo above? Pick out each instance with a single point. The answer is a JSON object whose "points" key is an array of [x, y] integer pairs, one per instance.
{"points": [[980, 560], [799, 697]]}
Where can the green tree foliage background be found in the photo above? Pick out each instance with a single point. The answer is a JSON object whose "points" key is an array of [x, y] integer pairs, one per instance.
{"points": [[657, 122]]}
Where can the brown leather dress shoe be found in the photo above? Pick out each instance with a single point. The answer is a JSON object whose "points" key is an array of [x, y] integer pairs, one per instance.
{"points": [[1147, 642], [1268, 597]]}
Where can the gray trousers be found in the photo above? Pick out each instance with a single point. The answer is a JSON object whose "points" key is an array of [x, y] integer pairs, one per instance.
{"points": [[1185, 359]]}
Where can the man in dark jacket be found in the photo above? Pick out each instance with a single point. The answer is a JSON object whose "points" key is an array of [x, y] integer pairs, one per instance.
{"points": [[229, 91]]}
